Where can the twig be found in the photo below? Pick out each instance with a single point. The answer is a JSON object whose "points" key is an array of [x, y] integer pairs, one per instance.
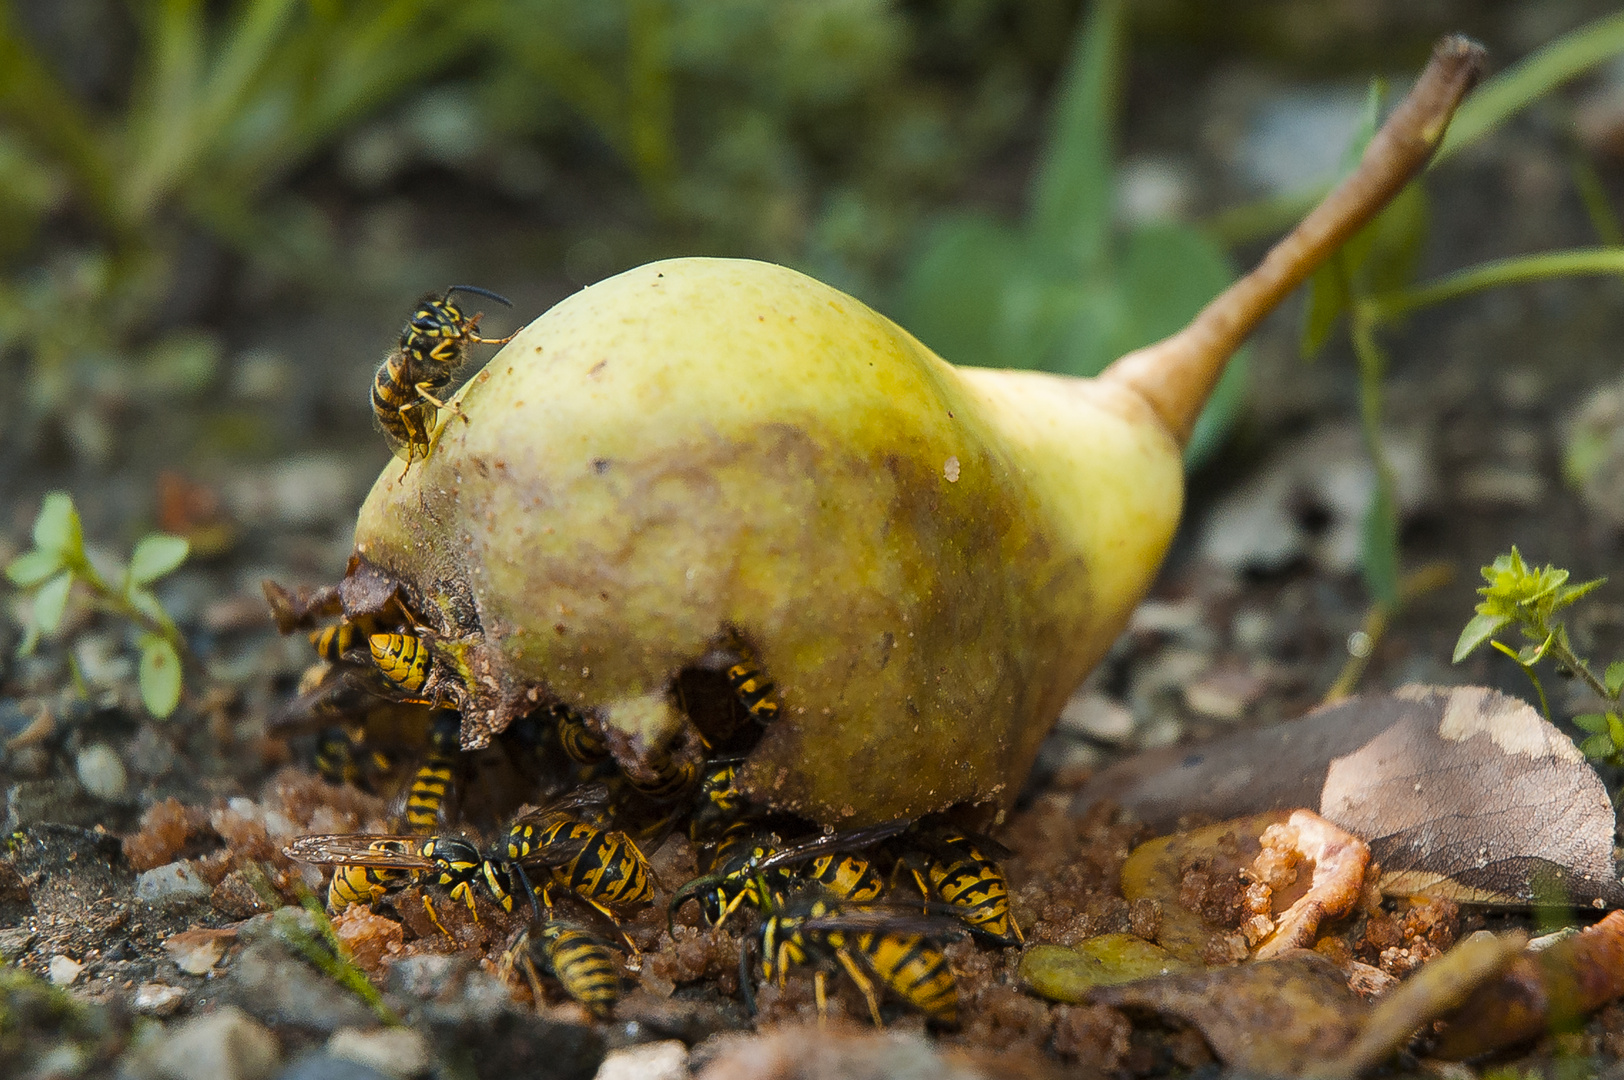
{"points": [[1176, 375]]}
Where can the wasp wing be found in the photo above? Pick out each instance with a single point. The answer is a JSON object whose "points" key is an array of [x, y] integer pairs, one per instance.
{"points": [[851, 840], [360, 849]]}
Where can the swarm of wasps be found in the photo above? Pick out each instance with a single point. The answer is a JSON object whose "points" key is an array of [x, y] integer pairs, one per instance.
{"points": [[873, 903]]}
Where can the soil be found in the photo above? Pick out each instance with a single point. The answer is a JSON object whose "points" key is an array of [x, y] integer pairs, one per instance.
{"points": [[1490, 383]]}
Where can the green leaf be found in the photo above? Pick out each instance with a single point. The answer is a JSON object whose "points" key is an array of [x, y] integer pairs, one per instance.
{"points": [[57, 528], [1596, 747], [157, 555], [1481, 628], [1566, 596], [147, 604], [50, 601], [1529, 655], [159, 676], [1380, 553], [1327, 300], [1593, 722], [954, 290], [1392, 242], [1615, 729], [1614, 678], [33, 567], [1072, 194]]}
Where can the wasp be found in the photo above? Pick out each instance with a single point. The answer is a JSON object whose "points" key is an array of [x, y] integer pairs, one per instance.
{"points": [[751, 686], [403, 658], [583, 745], [734, 874], [343, 755], [370, 881], [335, 643], [583, 963], [370, 866], [719, 801], [435, 342], [948, 865], [876, 947], [604, 867], [426, 798]]}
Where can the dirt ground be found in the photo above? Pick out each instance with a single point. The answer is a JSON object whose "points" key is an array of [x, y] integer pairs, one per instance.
{"points": [[1481, 399]]}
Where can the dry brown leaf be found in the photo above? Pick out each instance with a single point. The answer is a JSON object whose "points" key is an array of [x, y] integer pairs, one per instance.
{"points": [[1461, 792], [1271, 1018], [1552, 989]]}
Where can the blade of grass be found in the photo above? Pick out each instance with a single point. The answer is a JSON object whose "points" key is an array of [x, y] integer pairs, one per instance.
{"points": [[1517, 270], [1536, 75], [1072, 194]]}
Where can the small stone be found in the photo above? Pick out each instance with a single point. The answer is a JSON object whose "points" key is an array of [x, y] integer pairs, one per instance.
{"points": [[327, 1067], [1096, 716], [1495, 486], [428, 976], [172, 883], [399, 1052], [15, 943], [651, 1061], [235, 898], [223, 1045], [101, 771], [59, 799], [157, 999], [197, 951], [280, 989], [1224, 693], [64, 970]]}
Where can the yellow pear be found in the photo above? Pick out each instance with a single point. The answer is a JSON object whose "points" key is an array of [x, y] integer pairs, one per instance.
{"points": [[925, 559]]}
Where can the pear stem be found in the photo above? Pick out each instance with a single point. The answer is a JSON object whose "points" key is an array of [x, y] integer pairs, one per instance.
{"points": [[1176, 374]]}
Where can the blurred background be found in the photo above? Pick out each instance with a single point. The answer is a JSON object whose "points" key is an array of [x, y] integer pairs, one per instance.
{"points": [[215, 217]]}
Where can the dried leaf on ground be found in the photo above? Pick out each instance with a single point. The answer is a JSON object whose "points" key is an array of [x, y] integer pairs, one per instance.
{"points": [[1461, 792], [1541, 991]]}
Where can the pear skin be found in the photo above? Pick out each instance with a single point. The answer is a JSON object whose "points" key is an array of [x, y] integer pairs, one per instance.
{"points": [[925, 559]]}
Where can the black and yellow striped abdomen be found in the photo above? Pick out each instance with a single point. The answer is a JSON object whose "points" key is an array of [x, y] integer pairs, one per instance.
{"points": [[915, 969], [962, 876], [354, 884], [403, 659], [584, 965]]}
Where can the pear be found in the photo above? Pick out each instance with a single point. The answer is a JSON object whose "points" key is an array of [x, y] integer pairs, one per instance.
{"points": [[924, 559]]}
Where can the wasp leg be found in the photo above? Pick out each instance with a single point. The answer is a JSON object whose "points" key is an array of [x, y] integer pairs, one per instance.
{"points": [[435, 919], [423, 392], [820, 991], [864, 983]]}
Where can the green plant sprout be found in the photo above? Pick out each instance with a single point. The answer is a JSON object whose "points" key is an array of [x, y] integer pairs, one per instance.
{"points": [[58, 561], [1371, 280], [1528, 600]]}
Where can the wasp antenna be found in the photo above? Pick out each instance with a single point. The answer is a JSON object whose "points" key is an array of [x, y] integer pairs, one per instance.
{"points": [[498, 297]]}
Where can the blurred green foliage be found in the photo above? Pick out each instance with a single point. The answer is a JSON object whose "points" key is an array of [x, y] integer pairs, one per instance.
{"points": [[1370, 283], [810, 132], [1065, 289]]}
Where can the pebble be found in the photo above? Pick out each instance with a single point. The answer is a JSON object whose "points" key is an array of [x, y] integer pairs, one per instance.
{"points": [[197, 951], [1096, 716], [172, 883], [399, 1052], [58, 799], [327, 1067], [64, 970], [101, 771], [279, 988], [157, 999], [1298, 138], [15, 943], [222, 1045], [650, 1061]]}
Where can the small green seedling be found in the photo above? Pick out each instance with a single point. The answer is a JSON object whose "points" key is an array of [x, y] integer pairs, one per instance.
{"points": [[58, 561], [1529, 599]]}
